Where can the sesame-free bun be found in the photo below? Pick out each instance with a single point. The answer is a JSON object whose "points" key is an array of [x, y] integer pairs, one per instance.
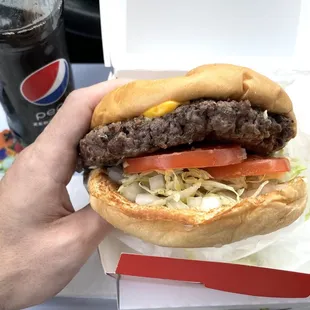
{"points": [[214, 81], [188, 228]]}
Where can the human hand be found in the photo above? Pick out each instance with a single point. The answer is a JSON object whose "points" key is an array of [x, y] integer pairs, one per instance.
{"points": [[43, 242]]}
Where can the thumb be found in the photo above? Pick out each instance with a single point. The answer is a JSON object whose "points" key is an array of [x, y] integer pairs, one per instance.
{"points": [[89, 228]]}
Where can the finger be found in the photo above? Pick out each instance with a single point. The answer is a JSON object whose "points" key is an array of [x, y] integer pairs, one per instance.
{"points": [[88, 226], [56, 147], [73, 119]]}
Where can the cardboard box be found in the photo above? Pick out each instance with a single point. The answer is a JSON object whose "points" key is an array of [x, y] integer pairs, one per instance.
{"points": [[145, 39]]}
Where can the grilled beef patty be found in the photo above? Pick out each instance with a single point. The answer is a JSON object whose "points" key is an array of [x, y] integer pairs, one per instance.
{"points": [[209, 120]]}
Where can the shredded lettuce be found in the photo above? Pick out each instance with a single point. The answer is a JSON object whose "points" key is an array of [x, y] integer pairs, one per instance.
{"points": [[181, 189], [196, 173], [195, 188], [296, 169], [161, 191], [214, 187], [260, 188], [307, 216], [131, 191], [190, 191]]}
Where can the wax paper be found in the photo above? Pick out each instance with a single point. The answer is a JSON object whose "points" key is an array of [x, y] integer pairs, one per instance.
{"points": [[287, 248]]}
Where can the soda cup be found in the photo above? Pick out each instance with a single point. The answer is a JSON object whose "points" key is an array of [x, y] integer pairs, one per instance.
{"points": [[35, 73]]}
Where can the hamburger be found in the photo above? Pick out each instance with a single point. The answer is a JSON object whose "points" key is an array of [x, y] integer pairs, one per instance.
{"points": [[195, 160]]}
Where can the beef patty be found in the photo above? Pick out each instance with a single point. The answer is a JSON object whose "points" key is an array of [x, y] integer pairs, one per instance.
{"points": [[209, 120]]}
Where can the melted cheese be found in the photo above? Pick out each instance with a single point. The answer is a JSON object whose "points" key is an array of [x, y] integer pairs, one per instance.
{"points": [[161, 109]]}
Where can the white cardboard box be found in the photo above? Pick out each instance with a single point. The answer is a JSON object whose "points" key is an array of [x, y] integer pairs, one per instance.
{"points": [[179, 295], [181, 34], [147, 39]]}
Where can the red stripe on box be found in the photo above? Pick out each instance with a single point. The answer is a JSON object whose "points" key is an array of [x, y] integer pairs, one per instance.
{"points": [[240, 279]]}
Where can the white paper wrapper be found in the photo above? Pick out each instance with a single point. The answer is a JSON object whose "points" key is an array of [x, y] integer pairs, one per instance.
{"points": [[288, 248]]}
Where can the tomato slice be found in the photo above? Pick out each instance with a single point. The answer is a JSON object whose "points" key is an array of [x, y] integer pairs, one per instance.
{"points": [[252, 167], [199, 158]]}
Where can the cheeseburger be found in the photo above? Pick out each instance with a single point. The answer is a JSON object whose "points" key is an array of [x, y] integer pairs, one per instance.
{"points": [[196, 160]]}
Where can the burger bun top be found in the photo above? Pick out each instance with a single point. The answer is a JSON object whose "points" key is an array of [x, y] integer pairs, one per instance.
{"points": [[213, 81]]}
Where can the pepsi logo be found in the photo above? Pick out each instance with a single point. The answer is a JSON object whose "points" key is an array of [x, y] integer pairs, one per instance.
{"points": [[46, 85]]}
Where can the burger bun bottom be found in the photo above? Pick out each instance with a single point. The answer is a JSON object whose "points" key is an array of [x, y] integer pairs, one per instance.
{"points": [[278, 207]]}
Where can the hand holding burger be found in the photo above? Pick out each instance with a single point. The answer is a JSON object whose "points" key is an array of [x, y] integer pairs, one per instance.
{"points": [[194, 161], [43, 242]]}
